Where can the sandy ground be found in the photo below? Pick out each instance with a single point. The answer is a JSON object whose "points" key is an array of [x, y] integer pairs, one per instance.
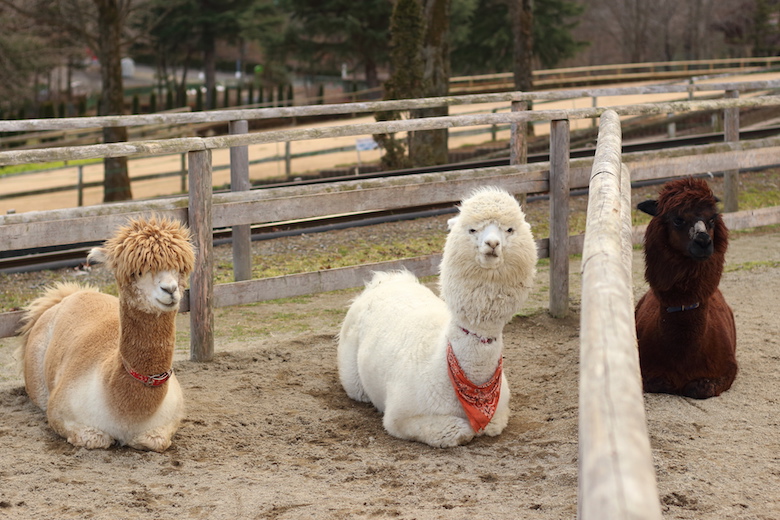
{"points": [[270, 433]]}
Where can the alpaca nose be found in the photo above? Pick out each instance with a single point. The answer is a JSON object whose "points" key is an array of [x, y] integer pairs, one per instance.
{"points": [[702, 239], [493, 243], [170, 288]]}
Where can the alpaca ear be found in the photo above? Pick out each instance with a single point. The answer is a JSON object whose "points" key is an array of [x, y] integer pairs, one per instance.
{"points": [[451, 222], [649, 206], [97, 255]]}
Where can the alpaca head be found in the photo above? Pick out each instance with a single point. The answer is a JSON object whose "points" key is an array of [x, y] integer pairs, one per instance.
{"points": [[686, 241], [151, 259], [686, 212], [489, 254]]}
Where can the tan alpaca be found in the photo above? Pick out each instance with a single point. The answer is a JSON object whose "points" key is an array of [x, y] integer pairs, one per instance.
{"points": [[100, 366]]}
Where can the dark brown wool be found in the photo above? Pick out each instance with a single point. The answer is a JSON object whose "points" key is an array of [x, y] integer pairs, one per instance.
{"points": [[685, 328]]}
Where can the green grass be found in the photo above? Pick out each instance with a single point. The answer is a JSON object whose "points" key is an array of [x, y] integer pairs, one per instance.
{"points": [[361, 252], [752, 266], [19, 168]]}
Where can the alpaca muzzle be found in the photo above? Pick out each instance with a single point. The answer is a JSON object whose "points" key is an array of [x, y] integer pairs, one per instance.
{"points": [[701, 246]]}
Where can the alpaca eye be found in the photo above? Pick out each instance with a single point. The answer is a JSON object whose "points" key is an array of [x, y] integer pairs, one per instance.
{"points": [[510, 230], [472, 231], [678, 222]]}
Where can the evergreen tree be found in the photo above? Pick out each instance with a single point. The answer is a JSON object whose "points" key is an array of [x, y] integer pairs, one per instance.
{"points": [[484, 41], [327, 33]]}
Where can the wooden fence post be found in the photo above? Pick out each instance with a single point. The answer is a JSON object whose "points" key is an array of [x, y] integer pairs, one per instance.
{"points": [[731, 134], [183, 183], [202, 279], [80, 187], [518, 143], [239, 181], [559, 217], [287, 160]]}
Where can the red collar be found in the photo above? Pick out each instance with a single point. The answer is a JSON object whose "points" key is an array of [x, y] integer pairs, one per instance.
{"points": [[155, 380], [479, 402], [481, 338]]}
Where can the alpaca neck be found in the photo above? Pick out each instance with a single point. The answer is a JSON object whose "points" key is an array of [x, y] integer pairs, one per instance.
{"points": [[146, 340], [477, 355], [681, 281]]}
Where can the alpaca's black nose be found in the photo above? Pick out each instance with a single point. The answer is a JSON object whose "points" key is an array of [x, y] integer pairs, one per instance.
{"points": [[702, 239]]}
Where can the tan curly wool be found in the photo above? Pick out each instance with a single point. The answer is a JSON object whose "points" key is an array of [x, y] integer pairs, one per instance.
{"points": [[154, 244]]}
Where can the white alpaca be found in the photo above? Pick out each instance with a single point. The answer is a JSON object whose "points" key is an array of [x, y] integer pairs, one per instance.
{"points": [[393, 345], [100, 366]]}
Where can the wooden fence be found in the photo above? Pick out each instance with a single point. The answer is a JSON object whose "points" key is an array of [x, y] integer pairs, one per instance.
{"points": [[616, 475], [617, 478], [206, 211]]}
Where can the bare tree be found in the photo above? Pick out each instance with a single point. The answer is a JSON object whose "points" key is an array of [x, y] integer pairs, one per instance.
{"points": [[101, 26]]}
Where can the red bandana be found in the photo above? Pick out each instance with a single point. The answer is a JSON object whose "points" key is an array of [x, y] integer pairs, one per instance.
{"points": [[479, 402], [155, 380]]}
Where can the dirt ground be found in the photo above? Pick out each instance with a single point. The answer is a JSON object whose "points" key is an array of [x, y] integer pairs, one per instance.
{"points": [[270, 433]]}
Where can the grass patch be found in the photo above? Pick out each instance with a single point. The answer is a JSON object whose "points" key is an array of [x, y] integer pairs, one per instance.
{"points": [[752, 266], [20, 168], [357, 253]]}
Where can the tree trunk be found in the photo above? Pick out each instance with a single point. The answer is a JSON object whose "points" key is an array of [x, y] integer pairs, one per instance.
{"points": [[372, 77], [210, 68], [522, 14], [429, 147], [116, 181]]}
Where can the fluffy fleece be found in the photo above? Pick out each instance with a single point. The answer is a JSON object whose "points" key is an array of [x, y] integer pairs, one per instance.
{"points": [[81, 347], [393, 343], [686, 331]]}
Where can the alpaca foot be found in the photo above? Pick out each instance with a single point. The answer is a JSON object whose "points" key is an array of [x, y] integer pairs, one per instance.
{"points": [[658, 385], [702, 388], [439, 431], [150, 442], [90, 438], [497, 424]]}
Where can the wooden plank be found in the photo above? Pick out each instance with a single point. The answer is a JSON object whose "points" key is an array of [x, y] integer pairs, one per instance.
{"points": [[202, 278], [356, 196], [559, 218], [740, 220], [653, 166], [752, 218], [617, 478], [75, 225], [239, 181], [10, 323], [180, 145], [238, 293]]}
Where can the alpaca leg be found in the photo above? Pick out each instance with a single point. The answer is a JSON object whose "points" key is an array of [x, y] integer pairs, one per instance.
{"points": [[705, 388], [79, 434], [498, 422], [658, 385], [501, 417], [348, 371], [439, 431]]}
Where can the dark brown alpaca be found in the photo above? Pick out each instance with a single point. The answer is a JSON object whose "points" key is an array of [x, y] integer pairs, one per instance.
{"points": [[685, 328]]}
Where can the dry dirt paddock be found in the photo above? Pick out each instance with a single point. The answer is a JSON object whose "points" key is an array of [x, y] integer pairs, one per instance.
{"points": [[270, 434]]}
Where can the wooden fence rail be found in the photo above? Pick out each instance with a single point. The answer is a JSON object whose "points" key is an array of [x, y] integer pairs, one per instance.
{"points": [[616, 475]]}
